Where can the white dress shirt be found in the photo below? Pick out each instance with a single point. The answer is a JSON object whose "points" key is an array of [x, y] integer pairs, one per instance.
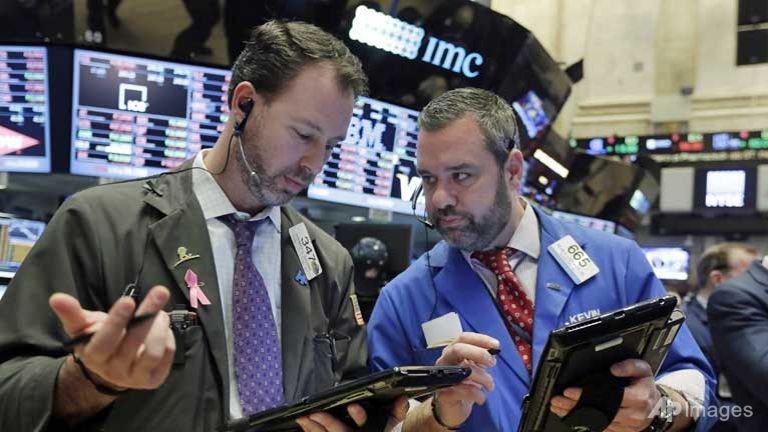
{"points": [[265, 251], [690, 382]]}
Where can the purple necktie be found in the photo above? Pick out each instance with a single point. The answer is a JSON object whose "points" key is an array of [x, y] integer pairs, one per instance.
{"points": [[257, 354]]}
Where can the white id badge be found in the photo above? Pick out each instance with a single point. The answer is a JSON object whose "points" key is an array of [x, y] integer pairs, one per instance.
{"points": [[573, 259], [442, 331], [306, 250]]}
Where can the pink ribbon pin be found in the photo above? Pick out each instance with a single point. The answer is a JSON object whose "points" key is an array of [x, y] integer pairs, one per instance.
{"points": [[195, 293]]}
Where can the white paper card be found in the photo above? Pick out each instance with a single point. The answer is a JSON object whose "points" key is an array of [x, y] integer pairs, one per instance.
{"points": [[306, 250], [573, 259], [442, 331]]}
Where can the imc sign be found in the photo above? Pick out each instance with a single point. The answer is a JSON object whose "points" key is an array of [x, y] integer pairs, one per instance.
{"points": [[400, 38]]}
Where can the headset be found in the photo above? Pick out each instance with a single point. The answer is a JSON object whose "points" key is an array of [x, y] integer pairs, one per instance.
{"points": [[512, 143], [246, 107], [133, 289]]}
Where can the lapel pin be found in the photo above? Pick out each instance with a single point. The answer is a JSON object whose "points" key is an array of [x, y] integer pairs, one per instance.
{"points": [[553, 286], [196, 294], [300, 278], [184, 255]]}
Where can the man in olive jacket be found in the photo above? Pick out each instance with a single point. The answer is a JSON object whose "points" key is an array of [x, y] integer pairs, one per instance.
{"points": [[107, 249]]}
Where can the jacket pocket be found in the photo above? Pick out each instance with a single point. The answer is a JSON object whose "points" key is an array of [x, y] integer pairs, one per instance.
{"points": [[324, 356], [427, 357]]}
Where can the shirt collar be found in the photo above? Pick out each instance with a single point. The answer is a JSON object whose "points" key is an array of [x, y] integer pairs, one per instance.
{"points": [[526, 237], [214, 201]]}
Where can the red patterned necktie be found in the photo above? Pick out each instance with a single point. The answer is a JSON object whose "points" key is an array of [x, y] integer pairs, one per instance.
{"points": [[515, 306]]}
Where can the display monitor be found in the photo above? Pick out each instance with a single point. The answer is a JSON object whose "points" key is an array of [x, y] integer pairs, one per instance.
{"points": [[397, 238], [585, 221], [25, 144], [134, 116], [669, 263], [530, 110], [725, 189], [17, 236], [375, 165]]}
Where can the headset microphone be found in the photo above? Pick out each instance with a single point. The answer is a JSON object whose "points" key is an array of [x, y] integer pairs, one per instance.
{"points": [[246, 107], [414, 201]]}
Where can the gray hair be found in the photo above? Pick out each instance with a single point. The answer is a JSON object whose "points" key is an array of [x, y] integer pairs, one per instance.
{"points": [[493, 115], [277, 51]]}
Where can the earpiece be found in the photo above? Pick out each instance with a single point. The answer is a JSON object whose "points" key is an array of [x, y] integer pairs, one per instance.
{"points": [[246, 107]]}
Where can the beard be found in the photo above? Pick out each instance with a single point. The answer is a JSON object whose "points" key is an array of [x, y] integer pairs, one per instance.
{"points": [[476, 234], [263, 185]]}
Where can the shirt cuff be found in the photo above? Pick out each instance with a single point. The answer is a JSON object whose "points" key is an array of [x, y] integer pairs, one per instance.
{"points": [[691, 384]]}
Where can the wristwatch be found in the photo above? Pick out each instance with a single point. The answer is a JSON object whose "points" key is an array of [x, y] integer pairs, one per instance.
{"points": [[665, 414]]}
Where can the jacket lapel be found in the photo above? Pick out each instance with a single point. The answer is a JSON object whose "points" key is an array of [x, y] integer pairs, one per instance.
{"points": [[553, 286], [460, 286], [295, 299], [184, 226]]}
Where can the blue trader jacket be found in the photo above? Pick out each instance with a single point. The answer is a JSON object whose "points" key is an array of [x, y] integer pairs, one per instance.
{"points": [[395, 336]]}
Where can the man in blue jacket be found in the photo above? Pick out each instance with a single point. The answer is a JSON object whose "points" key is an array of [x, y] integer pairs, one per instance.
{"points": [[495, 270]]}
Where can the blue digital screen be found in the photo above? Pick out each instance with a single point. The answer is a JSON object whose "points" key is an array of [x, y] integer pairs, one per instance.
{"points": [[530, 109]]}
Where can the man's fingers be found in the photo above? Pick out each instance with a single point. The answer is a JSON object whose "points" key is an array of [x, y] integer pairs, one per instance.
{"points": [[573, 393], [562, 403], [457, 352], [152, 303], [632, 368], [308, 425], [357, 413], [72, 316], [481, 377], [156, 352], [400, 408], [461, 392], [105, 342], [326, 422], [155, 300], [478, 339]]}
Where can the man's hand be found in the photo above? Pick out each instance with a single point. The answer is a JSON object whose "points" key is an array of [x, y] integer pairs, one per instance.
{"points": [[470, 350], [139, 358], [324, 422], [640, 397]]}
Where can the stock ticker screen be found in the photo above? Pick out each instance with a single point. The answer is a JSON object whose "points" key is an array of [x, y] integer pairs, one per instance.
{"points": [[134, 117], [24, 109], [375, 165]]}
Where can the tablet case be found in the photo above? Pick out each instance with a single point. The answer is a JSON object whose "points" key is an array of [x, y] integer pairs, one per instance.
{"points": [[580, 355], [373, 391]]}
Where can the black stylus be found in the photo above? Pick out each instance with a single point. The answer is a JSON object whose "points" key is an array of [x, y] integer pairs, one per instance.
{"points": [[494, 351], [84, 338]]}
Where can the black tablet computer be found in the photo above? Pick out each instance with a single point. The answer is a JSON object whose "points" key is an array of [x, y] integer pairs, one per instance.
{"points": [[379, 388], [583, 352]]}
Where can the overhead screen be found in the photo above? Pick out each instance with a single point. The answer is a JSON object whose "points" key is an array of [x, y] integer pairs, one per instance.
{"points": [[134, 117], [669, 263], [375, 166], [17, 236], [25, 144]]}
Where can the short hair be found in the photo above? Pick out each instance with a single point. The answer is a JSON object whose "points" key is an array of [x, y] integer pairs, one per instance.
{"points": [[277, 51], [493, 115], [717, 258]]}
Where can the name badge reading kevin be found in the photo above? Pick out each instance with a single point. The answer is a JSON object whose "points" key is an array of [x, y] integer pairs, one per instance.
{"points": [[573, 259], [306, 250]]}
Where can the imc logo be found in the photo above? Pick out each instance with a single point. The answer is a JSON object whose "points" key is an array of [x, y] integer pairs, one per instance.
{"points": [[400, 38], [133, 98]]}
